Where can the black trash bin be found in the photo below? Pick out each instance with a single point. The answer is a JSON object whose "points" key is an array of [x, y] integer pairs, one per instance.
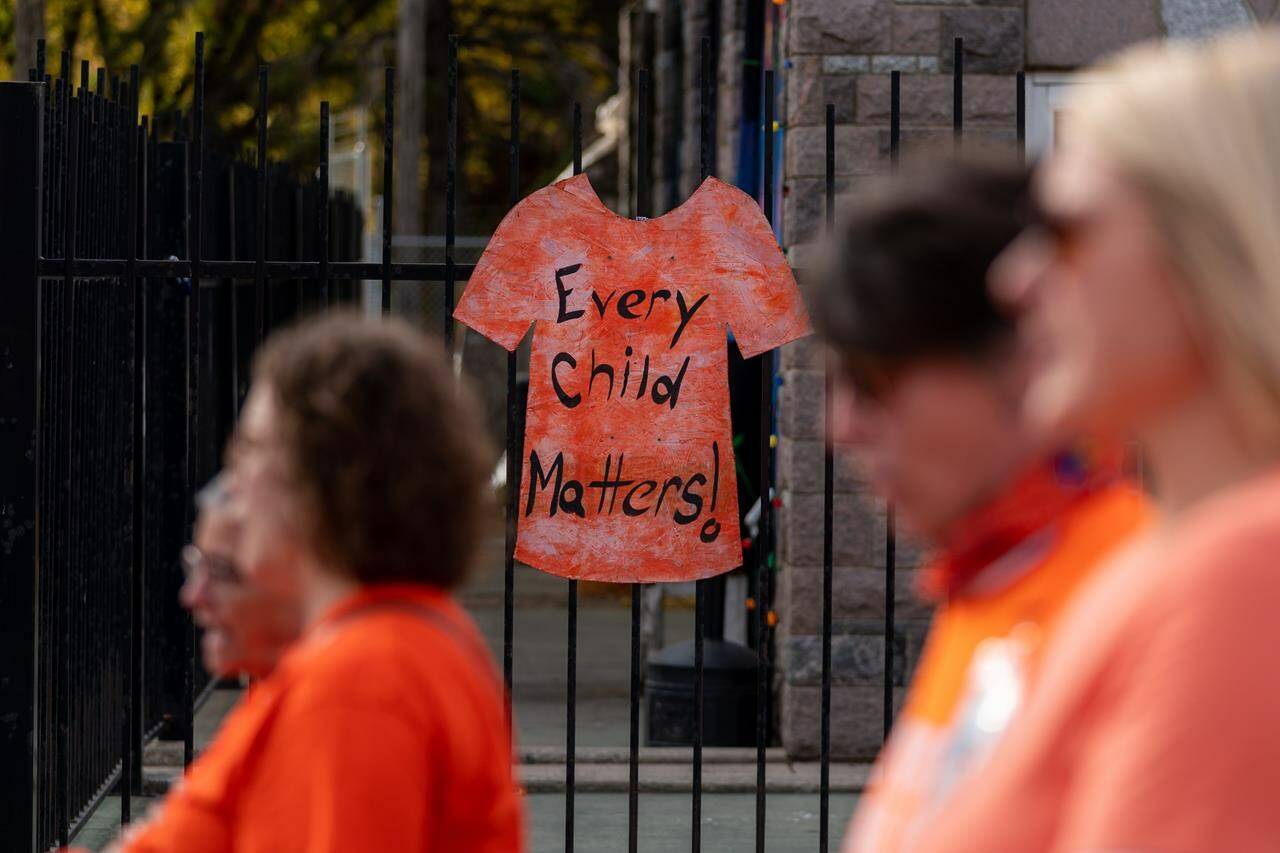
{"points": [[729, 695]]}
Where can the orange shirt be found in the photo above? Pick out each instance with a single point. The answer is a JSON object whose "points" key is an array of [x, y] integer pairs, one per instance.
{"points": [[1156, 724], [381, 729], [628, 468], [980, 654]]}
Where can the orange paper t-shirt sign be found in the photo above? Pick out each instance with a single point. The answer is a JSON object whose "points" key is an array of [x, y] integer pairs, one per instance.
{"points": [[628, 471]]}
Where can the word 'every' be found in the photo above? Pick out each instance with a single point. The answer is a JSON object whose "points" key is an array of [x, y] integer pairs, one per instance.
{"points": [[634, 304]]}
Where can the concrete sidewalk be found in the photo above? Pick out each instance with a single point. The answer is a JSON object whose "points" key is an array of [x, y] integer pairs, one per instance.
{"points": [[601, 773], [724, 771], [664, 822], [161, 762], [602, 736]]}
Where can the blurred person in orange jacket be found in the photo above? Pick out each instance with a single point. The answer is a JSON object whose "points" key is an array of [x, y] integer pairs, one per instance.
{"points": [[928, 395], [358, 484], [244, 630], [1152, 293]]}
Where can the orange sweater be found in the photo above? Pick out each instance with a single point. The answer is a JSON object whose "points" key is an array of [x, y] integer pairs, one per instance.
{"points": [[980, 655], [1155, 724], [381, 729]]}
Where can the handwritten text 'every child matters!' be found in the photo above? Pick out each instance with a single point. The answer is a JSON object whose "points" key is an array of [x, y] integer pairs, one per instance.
{"points": [[685, 497]]}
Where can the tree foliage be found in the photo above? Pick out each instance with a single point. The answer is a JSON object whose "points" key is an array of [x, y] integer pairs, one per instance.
{"points": [[6, 39], [336, 50]]}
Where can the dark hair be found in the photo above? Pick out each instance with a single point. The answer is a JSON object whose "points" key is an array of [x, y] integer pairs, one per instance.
{"points": [[908, 276], [383, 446]]}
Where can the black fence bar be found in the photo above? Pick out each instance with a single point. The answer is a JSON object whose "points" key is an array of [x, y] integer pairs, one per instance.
{"points": [[700, 586], [231, 223], [450, 192], [62, 769], [633, 753], [577, 138], [957, 90], [1022, 114], [260, 271], [131, 770], [91, 515], [322, 205], [570, 746], [65, 299], [513, 421], [91, 268], [58, 139], [195, 210], [895, 147], [571, 709], [388, 182], [762, 540], [895, 118], [132, 746], [23, 159], [88, 352], [828, 513], [85, 516], [633, 757], [139, 465], [166, 424], [119, 179]]}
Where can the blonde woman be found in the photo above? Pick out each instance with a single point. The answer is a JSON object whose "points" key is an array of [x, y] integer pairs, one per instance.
{"points": [[1153, 297]]}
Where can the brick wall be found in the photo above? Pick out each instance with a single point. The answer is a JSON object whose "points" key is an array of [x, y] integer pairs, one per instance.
{"points": [[842, 52]]}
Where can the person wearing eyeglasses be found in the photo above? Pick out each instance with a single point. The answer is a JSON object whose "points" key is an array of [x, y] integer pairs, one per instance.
{"points": [[1153, 291], [927, 401], [245, 629], [357, 483]]}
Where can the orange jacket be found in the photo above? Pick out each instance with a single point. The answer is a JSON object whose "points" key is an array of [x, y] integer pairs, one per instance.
{"points": [[1153, 725], [982, 650], [382, 729]]}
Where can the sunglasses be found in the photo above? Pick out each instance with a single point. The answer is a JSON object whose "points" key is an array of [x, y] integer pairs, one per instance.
{"points": [[217, 569]]}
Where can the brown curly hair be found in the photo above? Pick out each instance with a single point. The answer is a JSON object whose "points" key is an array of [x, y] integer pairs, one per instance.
{"points": [[383, 445]]}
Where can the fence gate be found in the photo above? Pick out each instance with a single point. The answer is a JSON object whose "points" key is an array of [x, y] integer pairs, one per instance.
{"points": [[141, 270]]}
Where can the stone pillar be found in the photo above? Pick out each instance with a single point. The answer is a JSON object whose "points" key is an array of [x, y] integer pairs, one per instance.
{"points": [[1065, 34], [842, 52]]}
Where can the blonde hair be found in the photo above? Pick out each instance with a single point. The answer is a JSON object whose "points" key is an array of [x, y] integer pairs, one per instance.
{"points": [[1195, 128]]}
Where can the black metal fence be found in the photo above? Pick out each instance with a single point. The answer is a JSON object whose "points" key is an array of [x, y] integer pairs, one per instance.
{"points": [[140, 275], [123, 372]]}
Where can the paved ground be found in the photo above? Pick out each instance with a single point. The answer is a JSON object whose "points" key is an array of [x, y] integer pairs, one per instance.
{"points": [[540, 654], [664, 822], [105, 823], [603, 676], [728, 822]]}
